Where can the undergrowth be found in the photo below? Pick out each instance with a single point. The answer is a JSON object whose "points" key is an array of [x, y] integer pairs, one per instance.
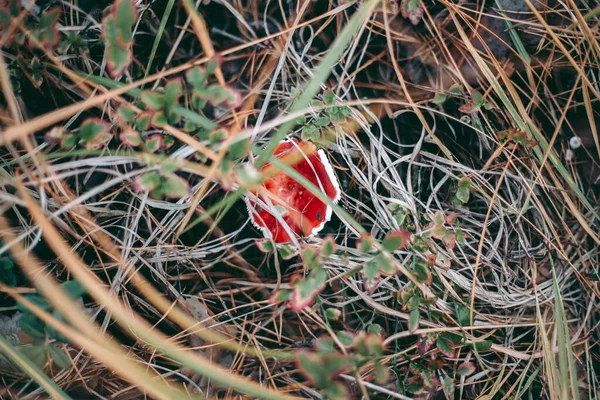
{"points": [[137, 139]]}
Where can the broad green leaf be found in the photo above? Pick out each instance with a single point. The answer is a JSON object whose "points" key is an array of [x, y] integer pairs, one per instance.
{"points": [[130, 138], [413, 10], [328, 247], [305, 290], [413, 320], [154, 143], [445, 346], [333, 314], [59, 357], [154, 100], [174, 186], [73, 289], [91, 128], [421, 272], [147, 182], [396, 240], [462, 314], [36, 353], [465, 369], [440, 98], [118, 36], [371, 275], [483, 345]]}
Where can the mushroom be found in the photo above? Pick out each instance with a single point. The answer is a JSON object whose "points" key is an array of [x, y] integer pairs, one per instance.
{"points": [[284, 199]]}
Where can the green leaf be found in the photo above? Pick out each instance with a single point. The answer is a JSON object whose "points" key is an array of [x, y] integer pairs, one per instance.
{"points": [[36, 353], [445, 346], [365, 245], [464, 189], [329, 97], [238, 149], [369, 345], [142, 122], [197, 78], [413, 320], [159, 119], [447, 385], [310, 132], [384, 264], [456, 89], [322, 121], [286, 252], [92, 128], [127, 113], [461, 236], [328, 246], [99, 141], [60, 357], [438, 218], [265, 245], [371, 275], [346, 338], [212, 65], [463, 316], [396, 240], [414, 386], [335, 391], [33, 327], [280, 295], [421, 272], [305, 290], [465, 369], [53, 332], [118, 36], [47, 31], [147, 182], [413, 10], [477, 99], [154, 143], [130, 138], [172, 92], [381, 373], [69, 141], [73, 289], [333, 314], [440, 98], [154, 100], [174, 186], [483, 345]]}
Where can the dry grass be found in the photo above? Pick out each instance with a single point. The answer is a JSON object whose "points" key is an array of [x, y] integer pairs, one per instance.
{"points": [[177, 299]]}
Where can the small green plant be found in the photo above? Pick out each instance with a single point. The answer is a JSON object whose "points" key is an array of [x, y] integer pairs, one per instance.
{"points": [[46, 32], [323, 366], [381, 262], [518, 137], [118, 36], [330, 115], [163, 183], [412, 10], [93, 134], [41, 350]]}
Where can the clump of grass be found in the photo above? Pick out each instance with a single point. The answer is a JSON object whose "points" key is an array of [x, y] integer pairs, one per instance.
{"points": [[461, 260]]}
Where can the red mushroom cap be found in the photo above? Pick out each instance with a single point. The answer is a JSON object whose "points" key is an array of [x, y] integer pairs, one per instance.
{"points": [[304, 213]]}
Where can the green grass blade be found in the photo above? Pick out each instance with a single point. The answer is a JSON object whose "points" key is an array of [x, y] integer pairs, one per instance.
{"points": [[161, 29], [566, 361], [320, 75], [514, 36], [32, 370], [527, 127]]}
